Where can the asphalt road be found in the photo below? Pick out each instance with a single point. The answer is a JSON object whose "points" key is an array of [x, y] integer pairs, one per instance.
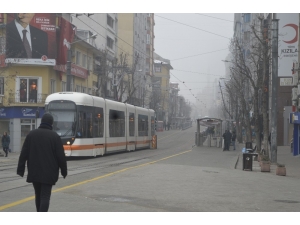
{"points": [[176, 177]]}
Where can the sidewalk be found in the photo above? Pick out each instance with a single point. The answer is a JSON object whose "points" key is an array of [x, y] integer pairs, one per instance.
{"points": [[284, 156]]}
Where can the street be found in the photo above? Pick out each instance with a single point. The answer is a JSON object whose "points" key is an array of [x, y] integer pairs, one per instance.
{"points": [[176, 177]]}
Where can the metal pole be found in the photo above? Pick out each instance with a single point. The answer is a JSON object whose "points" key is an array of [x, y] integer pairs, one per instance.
{"points": [[69, 75], [274, 88]]}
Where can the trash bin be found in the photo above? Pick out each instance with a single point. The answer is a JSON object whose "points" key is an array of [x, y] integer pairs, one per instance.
{"points": [[247, 161]]}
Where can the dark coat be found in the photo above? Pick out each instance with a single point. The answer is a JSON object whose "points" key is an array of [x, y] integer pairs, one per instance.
{"points": [[43, 150], [227, 136], [14, 43], [233, 137], [5, 140]]}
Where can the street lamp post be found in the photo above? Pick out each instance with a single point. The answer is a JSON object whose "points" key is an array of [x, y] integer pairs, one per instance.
{"points": [[70, 78]]}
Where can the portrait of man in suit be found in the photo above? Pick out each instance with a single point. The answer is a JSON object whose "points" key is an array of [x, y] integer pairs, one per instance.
{"points": [[24, 40]]}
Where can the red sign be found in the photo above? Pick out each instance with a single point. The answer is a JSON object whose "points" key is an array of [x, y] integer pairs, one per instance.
{"points": [[67, 32], [75, 70]]}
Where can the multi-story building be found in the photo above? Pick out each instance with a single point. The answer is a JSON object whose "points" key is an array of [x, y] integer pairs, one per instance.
{"points": [[132, 41], [105, 25], [161, 79]]}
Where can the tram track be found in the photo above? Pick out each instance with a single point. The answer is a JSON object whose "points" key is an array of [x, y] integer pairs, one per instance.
{"points": [[94, 166]]}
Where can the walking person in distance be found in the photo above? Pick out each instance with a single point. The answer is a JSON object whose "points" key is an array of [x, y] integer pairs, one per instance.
{"points": [[5, 140], [233, 139], [43, 151]]}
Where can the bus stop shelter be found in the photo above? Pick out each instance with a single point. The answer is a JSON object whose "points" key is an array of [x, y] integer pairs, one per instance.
{"points": [[212, 135]]}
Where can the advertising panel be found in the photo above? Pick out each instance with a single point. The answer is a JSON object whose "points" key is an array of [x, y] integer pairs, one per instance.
{"points": [[287, 43], [31, 38]]}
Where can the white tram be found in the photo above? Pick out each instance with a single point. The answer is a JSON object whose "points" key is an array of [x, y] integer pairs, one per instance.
{"points": [[90, 125]]}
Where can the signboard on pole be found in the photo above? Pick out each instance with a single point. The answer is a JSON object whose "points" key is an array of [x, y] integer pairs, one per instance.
{"points": [[287, 42]]}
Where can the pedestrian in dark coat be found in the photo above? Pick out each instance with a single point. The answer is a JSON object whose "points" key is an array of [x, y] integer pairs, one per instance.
{"points": [[44, 153], [227, 140], [5, 140]]}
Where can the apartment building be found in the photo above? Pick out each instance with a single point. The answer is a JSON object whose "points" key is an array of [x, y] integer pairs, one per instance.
{"points": [[134, 29], [161, 82]]}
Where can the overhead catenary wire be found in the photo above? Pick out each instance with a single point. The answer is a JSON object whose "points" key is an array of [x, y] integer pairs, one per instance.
{"points": [[192, 27], [201, 14]]}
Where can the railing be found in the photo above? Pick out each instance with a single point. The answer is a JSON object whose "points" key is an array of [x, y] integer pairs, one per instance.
{"points": [[14, 98]]}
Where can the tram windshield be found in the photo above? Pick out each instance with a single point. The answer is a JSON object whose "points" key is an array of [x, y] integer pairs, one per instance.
{"points": [[64, 114]]}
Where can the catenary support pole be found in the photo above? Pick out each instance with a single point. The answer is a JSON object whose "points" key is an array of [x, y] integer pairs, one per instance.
{"points": [[274, 89], [69, 75]]}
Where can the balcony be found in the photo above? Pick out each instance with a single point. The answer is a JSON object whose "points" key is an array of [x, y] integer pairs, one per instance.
{"points": [[15, 100]]}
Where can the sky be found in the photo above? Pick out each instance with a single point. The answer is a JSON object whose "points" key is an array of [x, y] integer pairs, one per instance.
{"points": [[195, 44]]}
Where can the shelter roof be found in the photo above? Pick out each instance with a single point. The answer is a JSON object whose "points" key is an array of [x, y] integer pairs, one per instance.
{"points": [[209, 122]]}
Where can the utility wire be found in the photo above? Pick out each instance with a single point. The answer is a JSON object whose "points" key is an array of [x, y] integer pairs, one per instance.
{"points": [[199, 73], [192, 27], [214, 17], [199, 54]]}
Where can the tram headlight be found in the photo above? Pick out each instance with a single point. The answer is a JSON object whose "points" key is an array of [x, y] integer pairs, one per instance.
{"points": [[68, 142]]}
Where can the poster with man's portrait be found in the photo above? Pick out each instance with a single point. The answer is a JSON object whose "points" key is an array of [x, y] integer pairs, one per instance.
{"points": [[31, 38]]}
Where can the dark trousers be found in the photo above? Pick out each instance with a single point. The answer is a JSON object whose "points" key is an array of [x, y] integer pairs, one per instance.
{"points": [[42, 196], [226, 145], [5, 149]]}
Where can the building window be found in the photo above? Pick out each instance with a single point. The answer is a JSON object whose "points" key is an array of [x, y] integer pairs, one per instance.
{"points": [[78, 89], [110, 43], [52, 86], [28, 90], [148, 39], [247, 17], [78, 57], [157, 69], [1, 85], [84, 63], [89, 91], [83, 90], [63, 86], [246, 37], [89, 63], [110, 21]]}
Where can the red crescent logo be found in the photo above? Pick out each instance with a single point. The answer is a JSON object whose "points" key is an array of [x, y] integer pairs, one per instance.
{"points": [[296, 30]]}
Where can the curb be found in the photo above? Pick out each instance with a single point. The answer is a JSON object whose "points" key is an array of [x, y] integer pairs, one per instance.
{"points": [[238, 157]]}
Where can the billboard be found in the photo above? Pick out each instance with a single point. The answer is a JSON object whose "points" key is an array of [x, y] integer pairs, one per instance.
{"points": [[287, 42], [31, 38]]}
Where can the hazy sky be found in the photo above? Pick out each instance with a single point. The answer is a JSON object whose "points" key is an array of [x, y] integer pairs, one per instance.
{"points": [[194, 42]]}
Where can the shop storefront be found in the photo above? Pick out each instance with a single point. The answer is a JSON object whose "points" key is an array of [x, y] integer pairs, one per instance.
{"points": [[18, 122], [295, 119]]}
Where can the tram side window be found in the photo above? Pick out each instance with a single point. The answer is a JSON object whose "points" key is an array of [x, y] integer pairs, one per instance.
{"points": [[143, 125], [98, 122], [131, 124], [89, 125], [85, 125], [80, 132], [152, 126], [116, 123]]}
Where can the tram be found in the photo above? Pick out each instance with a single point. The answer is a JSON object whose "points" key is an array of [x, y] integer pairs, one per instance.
{"points": [[91, 126]]}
